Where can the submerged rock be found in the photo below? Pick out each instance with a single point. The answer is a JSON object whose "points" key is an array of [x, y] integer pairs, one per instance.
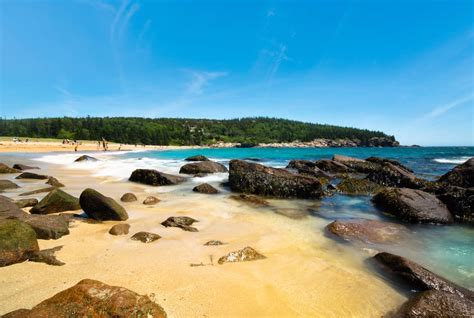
{"points": [[31, 175], [24, 203], [358, 186], [248, 198], [42, 190], [205, 188], [418, 277], [461, 175], [54, 182], [183, 222], [17, 241], [91, 298], [367, 231], [119, 229], [197, 158], [100, 207], [213, 243], [155, 177], [257, 179], [56, 201], [6, 169], [145, 237], [128, 197], [151, 200], [414, 206], [243, 255], [436, 304], [20, 166], [7, 184], [85, 158], [202, 167]]}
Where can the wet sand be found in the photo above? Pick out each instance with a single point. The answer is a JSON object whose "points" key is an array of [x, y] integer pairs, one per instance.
{"points": [[305, 273]]}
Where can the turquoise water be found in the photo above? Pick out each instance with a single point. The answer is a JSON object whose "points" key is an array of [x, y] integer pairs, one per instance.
{"points": [[447, 250]]}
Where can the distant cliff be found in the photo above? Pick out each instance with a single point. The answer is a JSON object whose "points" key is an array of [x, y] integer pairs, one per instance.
{"points": [[181, 131]]}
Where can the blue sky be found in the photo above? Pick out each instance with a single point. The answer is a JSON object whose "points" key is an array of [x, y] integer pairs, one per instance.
{"points": [[403, 67]]}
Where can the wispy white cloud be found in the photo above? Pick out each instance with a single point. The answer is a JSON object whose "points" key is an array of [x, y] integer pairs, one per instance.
{"points": [[129, 14], [440, 110], [200, 79], [116, 23], [278, 57], [98, 4]]}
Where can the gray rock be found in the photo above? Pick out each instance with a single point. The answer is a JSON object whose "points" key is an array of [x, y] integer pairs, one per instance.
{"points": [[48, 227], [183, 222], [100, 207], [202, 167], [128, 197], [145, 237], [205, 188], [155, 178], [151, 200], [9, 209], [20, 166], [119, 229]]}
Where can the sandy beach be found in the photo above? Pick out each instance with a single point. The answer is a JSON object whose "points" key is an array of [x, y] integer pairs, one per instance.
{"points": [[304, 274]]}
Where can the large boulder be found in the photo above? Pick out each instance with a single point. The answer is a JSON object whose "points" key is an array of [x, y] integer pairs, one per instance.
{"points": [[155, 177], [367, 231], [183, 222], [460, 202], [31, 175], [354, 186], [100, 207], [91, 298], [8, 209], [85, 158], [414, 206], [257, 179], [202, 167], [205, 188], [20, 166], [461, 175], [436, 304], [197, 158], [17, 241], [309, 168], [391, 175], [7, 184], [243, 255], [416, 276], [48, 227], [56, 201], [6, 169], [332, 166]]}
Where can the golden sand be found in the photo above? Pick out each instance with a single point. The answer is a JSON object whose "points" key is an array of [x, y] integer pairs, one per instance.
{"points": [[305, 274]]}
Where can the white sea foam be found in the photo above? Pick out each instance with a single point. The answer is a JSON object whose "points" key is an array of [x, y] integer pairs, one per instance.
{"points": [[455, 160]]}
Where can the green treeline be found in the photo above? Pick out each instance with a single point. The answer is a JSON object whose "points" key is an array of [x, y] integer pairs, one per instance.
{"points": [[179, 131]]}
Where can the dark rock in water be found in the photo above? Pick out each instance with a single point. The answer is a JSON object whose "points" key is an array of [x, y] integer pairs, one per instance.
{"points": [[243, 255], [358, 186], [213, 243], [183, 222], [461, 175], [460, 202], [381, 142], [42, 190], [253, 159], [9, 209], [17, 241], [151, 200], [368, 231], [145, 237], [416, 276], [6, 169], [202, 167], [382, 161], [248, 198], [436, 304], [205, 188], [7, 184], [257, 179], [48, 227], [413, 206], [24, 203], [91, 298], [128, 197], [309, 168], [332, 166], [247, 145], [31, 175], [54, 182], [47, 256], [56, 201], [85, 158], [391, 175], [20, 166], [154, 177], [200, 175], [100, 207], [119, 229], [197, 158]]}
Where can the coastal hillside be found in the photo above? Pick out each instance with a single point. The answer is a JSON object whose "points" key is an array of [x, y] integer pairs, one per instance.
{"points": [[182, 131]]}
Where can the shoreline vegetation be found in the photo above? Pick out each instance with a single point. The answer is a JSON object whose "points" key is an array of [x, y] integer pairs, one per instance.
{"points": [[242, 132]]}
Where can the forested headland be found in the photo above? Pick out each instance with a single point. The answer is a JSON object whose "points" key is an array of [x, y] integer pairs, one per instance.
{"points": [[182, 131]]}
